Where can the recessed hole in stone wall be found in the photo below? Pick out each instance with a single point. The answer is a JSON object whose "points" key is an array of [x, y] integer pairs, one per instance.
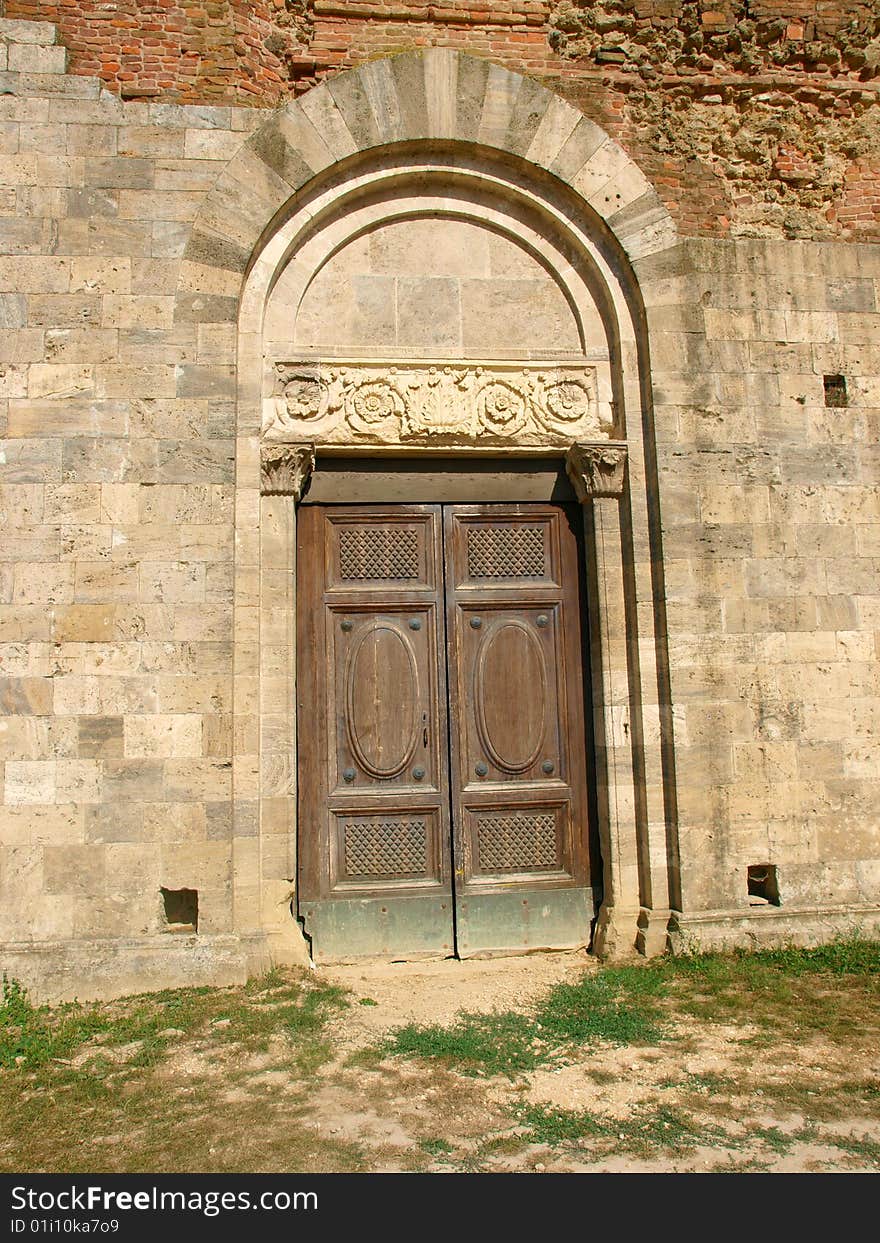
{"points": [[763, 885], [835, 390], [181, 910]]}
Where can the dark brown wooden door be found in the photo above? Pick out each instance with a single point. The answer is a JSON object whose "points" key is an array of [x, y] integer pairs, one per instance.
{"points": [[425, 632], [374, 839], [519, 792]]}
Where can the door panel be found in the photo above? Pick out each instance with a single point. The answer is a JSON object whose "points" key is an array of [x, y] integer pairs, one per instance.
{"points": [[384, 676], [396, 602], [374, 808], [517, 742]]}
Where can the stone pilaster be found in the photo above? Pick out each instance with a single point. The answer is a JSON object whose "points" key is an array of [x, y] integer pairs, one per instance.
{"points": [[598, 474]]}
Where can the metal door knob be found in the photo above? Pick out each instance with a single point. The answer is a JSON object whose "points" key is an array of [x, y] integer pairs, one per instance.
{"points": [[481, 769]]}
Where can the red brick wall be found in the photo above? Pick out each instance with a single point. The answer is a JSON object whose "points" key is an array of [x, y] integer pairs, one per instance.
{"points": [[192, 51], [756, 117]]}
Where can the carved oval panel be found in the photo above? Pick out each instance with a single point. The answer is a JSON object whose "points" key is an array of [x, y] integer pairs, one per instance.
{"points": [[382, 699], [510, 696]]}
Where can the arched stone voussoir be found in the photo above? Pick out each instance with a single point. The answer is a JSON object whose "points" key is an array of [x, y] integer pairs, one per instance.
{"points": [[432, 94]]}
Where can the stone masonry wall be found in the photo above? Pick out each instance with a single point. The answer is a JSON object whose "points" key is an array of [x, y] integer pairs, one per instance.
{"points": [[116, 493], [755, 118], [116, 485], [768, 475]]}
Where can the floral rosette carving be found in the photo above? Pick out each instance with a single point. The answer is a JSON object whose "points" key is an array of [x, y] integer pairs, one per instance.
{"points": [[565, 403], [304, 396], [371, 403], [501, 408]]}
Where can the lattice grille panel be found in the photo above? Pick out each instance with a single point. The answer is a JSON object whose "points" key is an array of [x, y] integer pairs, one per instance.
{"points": [[506, 552], [378, 552], [518, 841], [385, 847]]}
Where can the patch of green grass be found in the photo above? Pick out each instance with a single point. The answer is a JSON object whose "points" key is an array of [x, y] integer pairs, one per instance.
{"points": [[435, 1147], [27, 1036], [829, 989], [78, 1098], [31, 1036], [614, 1005], [645, 1131], [774, 990], [476, 1044], [367, 1001], [775, 1139], [850, 956], [867, 1149], [561, 1126]]}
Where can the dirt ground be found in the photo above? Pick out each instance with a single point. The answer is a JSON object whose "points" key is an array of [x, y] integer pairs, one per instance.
{"points": [[306, 1071], [686, 1072]]}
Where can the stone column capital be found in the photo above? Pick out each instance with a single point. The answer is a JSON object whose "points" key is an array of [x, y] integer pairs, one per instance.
{"points": [[286, 470], [596, 470]]}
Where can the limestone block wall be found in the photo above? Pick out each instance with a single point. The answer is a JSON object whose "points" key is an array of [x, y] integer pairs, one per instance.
{"points": [[767, 420], [486, 294], [116, 497]]}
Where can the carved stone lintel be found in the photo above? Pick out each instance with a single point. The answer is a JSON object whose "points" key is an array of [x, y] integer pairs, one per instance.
{"points": [[596, 470], [424, 403], [286, 470]]}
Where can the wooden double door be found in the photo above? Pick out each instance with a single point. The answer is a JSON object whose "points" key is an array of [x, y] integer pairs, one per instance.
{"points": [[442, 765]]}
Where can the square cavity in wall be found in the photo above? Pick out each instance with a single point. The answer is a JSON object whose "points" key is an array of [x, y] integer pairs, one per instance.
{"points": [[181, 910], [835, 390], [763, 885]]}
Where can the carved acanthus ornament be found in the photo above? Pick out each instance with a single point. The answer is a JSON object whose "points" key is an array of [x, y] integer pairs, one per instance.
{"points": [[596, 470], [286, 470], [434, 404]]}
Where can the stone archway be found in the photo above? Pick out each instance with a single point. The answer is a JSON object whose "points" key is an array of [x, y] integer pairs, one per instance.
{"points": [[440, 135]]}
